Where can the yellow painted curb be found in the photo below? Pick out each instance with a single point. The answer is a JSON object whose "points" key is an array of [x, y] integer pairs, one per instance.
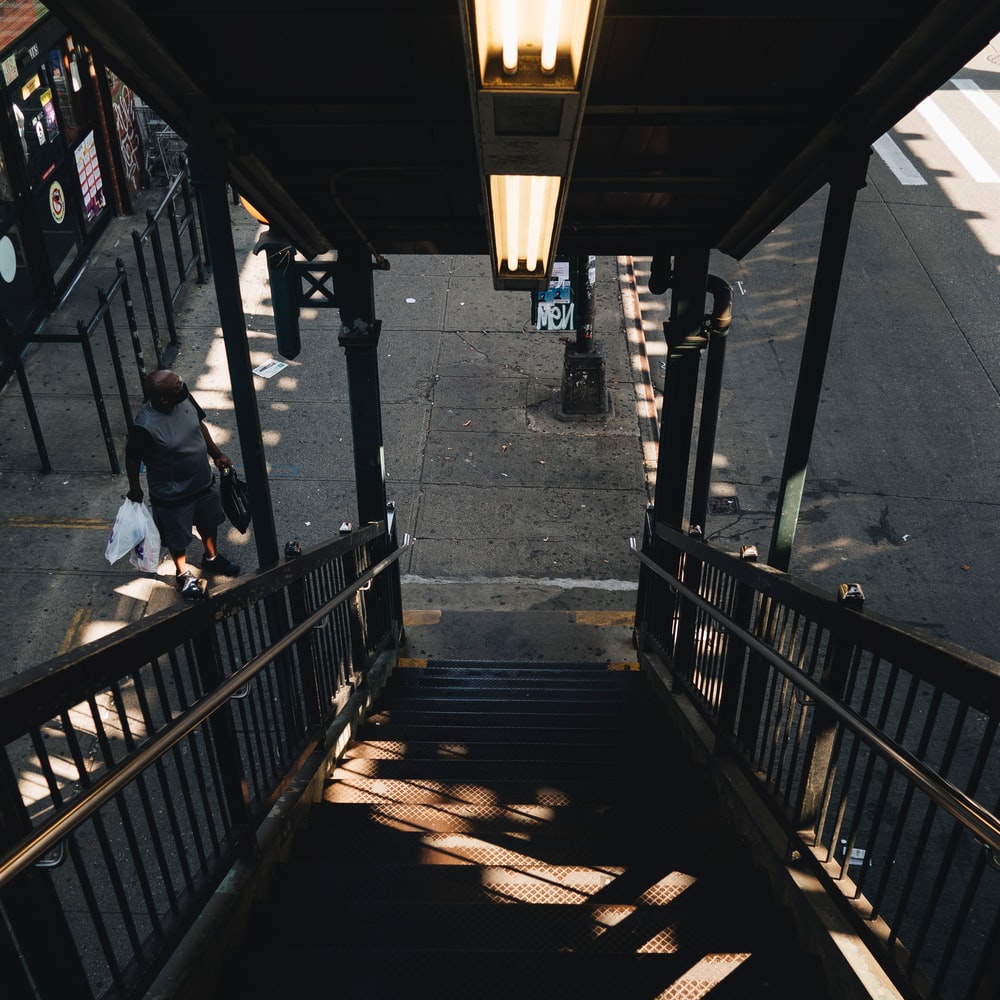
{"points": [[421, 618], [626, 618]]}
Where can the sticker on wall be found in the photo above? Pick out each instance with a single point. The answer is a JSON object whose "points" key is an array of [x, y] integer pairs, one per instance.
{"points": [[57, 202], [8, 259]]}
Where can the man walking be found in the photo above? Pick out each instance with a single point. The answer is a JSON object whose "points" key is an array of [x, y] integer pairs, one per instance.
{"points": [[170, 437]]}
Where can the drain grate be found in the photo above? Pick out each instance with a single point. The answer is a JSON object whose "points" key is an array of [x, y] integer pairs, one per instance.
{"points": [[724, 505]]}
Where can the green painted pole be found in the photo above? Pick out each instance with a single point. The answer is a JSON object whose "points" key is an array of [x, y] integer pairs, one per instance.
{"points": [[208, 177], [685, 342], [359, 335], [844, 187]]}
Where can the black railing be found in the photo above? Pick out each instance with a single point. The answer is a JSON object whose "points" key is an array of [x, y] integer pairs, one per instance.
{"points": [[179, 208], [170, 272], [877, 749], [136, 770]]}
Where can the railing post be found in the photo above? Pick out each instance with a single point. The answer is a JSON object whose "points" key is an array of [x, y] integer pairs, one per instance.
{"points": [[308, 665], [234, 782], [133, 326], [36, 916], [736, 655], [147, 294], [95, 384], [161, 274], [116, 358], [359, 652], [192, 218], [823, 733]]}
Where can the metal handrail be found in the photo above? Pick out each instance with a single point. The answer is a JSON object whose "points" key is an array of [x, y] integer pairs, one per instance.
{"points": [[55, 830], [982, 823]]}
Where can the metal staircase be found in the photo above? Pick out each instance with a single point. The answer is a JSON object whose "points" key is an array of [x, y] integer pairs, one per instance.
{"points": [[502, 829]]}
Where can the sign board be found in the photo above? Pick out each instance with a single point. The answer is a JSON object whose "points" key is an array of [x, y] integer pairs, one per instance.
{"points": [[555, 307]]}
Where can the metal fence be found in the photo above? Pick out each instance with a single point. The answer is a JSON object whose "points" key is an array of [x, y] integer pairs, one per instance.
{"points": [[167, 253], [877, 750], [135, 770]]}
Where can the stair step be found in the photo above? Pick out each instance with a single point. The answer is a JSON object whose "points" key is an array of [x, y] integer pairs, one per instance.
{"points": [[631, 822], [588, 717], [624, 751], [508, 791], [510, 700], [552, 770], [518, 851], [299, 971], [418, 729], [526, 928], [539, 885]]}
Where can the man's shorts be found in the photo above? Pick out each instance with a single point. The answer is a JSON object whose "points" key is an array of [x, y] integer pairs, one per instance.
{"points": [[175, 522]]}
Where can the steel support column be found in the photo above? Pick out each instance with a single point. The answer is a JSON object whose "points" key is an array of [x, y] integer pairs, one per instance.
{"points": [[359, 335], [208, 177], [847, 181], [685, 341]]}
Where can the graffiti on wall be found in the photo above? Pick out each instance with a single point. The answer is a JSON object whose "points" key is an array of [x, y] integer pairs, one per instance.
{"points": [[123, 101]]}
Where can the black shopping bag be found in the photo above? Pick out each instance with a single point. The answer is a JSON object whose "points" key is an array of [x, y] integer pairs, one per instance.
{"points": [[236, 500]]}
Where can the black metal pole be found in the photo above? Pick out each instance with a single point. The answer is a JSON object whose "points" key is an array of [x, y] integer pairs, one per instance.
{"points": [[847, 181], [208, 177], [586, 307], [359, 335]]}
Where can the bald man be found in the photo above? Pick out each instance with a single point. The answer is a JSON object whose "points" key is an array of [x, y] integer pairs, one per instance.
{"points": [[170, 438]]}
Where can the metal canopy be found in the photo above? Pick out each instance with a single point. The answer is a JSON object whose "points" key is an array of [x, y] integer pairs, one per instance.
{"points": [[706, 123]]}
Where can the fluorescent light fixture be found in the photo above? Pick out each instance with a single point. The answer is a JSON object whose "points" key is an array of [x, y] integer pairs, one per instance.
{"points": [[524, 216], [529, 63], [519, 40]]}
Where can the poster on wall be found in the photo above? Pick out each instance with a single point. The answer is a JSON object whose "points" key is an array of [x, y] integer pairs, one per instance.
{"points": [[553, 308], [91, 185]]}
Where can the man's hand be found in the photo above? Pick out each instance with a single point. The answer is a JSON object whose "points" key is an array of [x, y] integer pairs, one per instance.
{"points": [[135, 495], [223, 461]]}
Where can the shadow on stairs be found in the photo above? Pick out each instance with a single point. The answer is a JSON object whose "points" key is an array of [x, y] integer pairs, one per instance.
{"points": [[517, 830]]}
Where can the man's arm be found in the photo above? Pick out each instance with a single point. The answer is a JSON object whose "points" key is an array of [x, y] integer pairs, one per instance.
{"points": [[134, 450], [221, 459]]}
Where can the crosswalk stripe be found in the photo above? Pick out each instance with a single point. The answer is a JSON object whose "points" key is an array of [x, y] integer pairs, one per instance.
{"points": [[952, 137], [897, 161], [980, 101]]}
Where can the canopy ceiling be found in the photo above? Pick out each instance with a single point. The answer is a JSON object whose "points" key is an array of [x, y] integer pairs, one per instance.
{"points": [[706, 124]]}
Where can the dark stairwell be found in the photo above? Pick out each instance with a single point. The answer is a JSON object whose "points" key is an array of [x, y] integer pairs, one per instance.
{"points": [[528, 829]]}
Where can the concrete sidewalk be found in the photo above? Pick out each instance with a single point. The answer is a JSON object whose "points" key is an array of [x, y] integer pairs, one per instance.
{"points": [[510, 506]]}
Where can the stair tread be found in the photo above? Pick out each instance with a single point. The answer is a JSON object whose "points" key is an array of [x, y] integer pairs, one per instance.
{"points": [[525, 927], [500, 975]]}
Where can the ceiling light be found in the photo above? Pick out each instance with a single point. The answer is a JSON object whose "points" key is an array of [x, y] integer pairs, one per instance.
{"points": [[529, 65]]}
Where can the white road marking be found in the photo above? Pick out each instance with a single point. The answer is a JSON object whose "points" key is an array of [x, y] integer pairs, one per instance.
{"points": [[952, 137], [897, 161]]}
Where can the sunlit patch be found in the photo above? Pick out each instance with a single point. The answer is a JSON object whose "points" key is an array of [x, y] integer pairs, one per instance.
{"points": [[453, 750], [664, 942], [703, 977], [139, 589], [667, 889]]}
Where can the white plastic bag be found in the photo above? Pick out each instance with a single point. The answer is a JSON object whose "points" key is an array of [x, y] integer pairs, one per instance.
{"points": [[127, 531], [134, 533], [145, 556]]}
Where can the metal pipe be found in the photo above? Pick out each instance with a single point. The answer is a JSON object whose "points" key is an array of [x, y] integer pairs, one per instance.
{"points": [[717, 324]]}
